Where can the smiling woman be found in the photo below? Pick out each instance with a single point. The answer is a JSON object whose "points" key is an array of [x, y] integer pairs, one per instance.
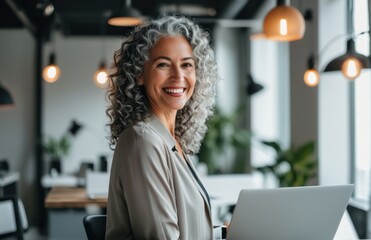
{"points": [[161, 92]]}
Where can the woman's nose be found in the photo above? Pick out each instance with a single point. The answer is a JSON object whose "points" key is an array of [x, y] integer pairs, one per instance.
{"points": [[177, 73]]}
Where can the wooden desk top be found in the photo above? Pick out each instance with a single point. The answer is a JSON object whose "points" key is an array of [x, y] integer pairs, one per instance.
{"points": [[64, 197]]}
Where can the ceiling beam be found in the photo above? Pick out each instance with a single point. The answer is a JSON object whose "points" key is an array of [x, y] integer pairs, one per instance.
{"points": [[231, 23], [22, 16]]}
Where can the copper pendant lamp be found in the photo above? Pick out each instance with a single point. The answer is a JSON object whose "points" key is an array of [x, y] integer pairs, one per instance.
{"points": [[284, 23]]}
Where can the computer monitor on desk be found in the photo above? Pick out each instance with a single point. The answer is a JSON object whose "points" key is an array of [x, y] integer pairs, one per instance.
{"points": [[97, 184]]}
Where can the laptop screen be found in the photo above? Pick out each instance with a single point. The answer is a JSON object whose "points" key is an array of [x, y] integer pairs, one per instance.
{"points": [[312, 212]]}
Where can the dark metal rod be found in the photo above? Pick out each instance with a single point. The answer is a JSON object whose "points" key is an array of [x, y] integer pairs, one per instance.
{"points": [[38, 130], [281, 2]]}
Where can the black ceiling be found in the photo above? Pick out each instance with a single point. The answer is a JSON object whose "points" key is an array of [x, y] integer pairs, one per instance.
{"points": [[87, 17]]}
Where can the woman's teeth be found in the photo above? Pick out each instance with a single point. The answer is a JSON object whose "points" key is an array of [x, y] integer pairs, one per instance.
{"points": [[172, 90]]}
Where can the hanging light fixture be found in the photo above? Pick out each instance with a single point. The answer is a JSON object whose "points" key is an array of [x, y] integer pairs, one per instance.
{"points": [[6, 99], [127, 17], [101, 75], [284, 23], [252, 86], [350, 63], [52, 72], [46, 7], [311, 76]]}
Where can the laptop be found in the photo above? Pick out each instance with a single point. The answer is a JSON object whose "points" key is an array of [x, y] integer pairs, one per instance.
{"points": [[304, 213]]}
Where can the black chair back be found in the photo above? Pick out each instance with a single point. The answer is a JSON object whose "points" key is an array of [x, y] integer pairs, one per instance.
{"points": [[95, 226]]}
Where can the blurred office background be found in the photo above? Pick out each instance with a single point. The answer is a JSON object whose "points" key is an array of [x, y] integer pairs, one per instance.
{"points": [[335, 114]]}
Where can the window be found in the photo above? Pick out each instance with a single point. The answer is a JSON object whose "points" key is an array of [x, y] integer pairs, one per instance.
{"points": [[362, 107]]}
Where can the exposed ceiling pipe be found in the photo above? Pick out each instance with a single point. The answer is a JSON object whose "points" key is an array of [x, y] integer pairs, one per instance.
{"points": [[21, 15]]}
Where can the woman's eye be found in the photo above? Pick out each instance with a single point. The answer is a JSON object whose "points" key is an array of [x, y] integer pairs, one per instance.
{"points": [[187, 65], [162, 65]]}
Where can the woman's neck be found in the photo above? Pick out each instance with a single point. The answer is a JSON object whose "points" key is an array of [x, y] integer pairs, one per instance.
{"points": [[168, 120]]}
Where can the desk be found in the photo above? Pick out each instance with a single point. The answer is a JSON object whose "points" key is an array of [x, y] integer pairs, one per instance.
{"points": [[63, 197], [66, 209], [48, 181]]}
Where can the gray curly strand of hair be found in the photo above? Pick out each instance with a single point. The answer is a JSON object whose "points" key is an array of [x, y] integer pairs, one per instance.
{"points": [[128, 102]]}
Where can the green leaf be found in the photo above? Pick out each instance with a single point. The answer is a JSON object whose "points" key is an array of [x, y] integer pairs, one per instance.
{"points": [[274, 145], [303, 165], [57, 148]]}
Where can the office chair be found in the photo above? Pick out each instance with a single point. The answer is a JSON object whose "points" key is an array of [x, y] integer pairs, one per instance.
{"points": [[95, 226], [12, 210]]}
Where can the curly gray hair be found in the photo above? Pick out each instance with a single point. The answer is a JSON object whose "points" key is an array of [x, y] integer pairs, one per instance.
{"points": [[128, 101]]}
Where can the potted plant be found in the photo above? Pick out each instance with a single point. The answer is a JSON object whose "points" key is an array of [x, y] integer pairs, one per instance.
{"points": [[293, 166], [56, 149], [222, 134]]}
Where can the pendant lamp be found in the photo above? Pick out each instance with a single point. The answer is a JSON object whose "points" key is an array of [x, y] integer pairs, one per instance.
{"points": [[101, 75], [284, 23], [311, 75], [127, 17], [350, 63], [252, 86], [52, 72], [6, 99]]}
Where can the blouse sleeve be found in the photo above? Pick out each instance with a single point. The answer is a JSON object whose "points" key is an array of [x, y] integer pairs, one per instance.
{"points": [[147, 186]]}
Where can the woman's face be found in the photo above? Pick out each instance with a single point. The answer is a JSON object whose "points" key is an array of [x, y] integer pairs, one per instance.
{"points": [[169, 76]]}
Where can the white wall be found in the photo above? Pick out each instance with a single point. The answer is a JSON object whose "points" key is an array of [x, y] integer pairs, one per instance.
{"points": [[75, 96], [227, 56], [333, 98], [265, 105], [17, 124]]}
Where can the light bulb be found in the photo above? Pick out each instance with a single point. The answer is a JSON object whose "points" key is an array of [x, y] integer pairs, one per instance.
{"points": [[311, 77], [351, 68], [101, 77], [51, 73], [283, 27]]}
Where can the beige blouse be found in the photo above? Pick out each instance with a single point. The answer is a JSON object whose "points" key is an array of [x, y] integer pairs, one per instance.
{"points": [[153, 193]]}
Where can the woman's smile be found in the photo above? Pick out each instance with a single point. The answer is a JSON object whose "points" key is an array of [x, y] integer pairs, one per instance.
{"points": [[175, 92]]}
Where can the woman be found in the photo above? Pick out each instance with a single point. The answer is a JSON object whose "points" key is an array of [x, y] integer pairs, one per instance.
{"points": [[161, 94]]}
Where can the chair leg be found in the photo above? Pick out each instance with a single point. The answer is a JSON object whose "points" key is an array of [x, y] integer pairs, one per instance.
{"points": [[18, 219]]}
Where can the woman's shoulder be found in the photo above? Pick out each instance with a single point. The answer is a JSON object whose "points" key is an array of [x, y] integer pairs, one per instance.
{"points": [[139, 133]]}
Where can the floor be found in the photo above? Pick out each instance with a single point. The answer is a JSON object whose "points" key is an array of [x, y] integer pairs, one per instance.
{"points": [[31, 234]]}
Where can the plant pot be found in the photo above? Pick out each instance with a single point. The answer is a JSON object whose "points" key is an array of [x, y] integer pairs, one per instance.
{"points": [[56, 165]]}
